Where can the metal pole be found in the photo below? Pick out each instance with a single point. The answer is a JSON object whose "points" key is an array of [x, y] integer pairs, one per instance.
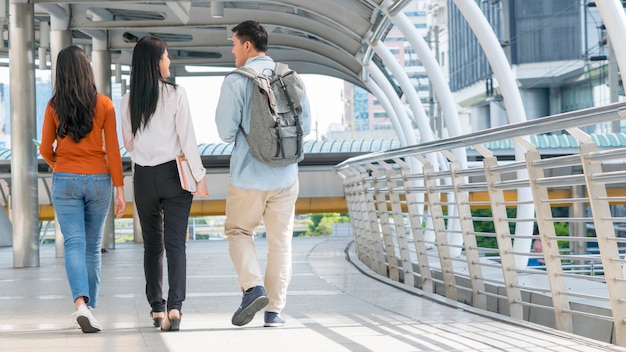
{"points": [[101, 61], [578, 229], [514, 109], [613, 84], [24, 196], [412, 98], [437, 80], [60, 38], [614, 19]]}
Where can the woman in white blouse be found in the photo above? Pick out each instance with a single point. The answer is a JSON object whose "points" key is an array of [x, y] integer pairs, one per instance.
{"points": [[157, 127]]}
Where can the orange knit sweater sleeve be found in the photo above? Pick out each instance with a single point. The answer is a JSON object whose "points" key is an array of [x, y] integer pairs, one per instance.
{"points": [[111, 144]]}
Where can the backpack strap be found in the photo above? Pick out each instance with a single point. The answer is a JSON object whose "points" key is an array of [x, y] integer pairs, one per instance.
{"points": [[245, 71], [260, 80], [253, 75], [281, 68]]}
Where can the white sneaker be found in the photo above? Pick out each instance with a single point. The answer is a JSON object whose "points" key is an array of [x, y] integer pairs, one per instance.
{"points": [[86, 320]]}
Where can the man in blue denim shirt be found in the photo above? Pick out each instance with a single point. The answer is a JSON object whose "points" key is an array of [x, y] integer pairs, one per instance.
{"points": [[256, 190]]}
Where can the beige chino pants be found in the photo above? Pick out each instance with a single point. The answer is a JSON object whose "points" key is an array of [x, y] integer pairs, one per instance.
{"points": [[244, 210]]}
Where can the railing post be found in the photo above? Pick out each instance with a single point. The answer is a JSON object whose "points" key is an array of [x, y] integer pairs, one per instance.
{"points": [[436, 211], [560, 302], [503, 237], [479, 299], [374, 243], [415, 207], [358, 215], [379, 181], [605, 234], [394, 176], [578, 229]]}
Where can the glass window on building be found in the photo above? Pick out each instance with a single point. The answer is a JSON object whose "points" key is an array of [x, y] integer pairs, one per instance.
{"points": [[546, 30], [380, 115]]}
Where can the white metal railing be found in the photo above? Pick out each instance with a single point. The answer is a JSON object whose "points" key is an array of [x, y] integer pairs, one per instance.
{"points": [[416, 223]]}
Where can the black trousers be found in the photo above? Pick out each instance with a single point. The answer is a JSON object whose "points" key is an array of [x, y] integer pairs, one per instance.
{"points": [[163, 208]]}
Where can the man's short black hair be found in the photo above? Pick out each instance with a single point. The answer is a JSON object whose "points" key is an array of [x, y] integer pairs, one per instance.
{"points": [[253, 32]]}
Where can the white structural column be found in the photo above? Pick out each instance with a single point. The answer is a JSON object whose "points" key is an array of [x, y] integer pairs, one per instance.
{"points": [[24, 196], [438, 82], [436, 79], [614, 19], [495, 55], [412, 98], [60, 37], [442, 90], [424, 127], [403, 129], [44, 44], [399, 117], [514, 108], [101, 62], [388, 105]]}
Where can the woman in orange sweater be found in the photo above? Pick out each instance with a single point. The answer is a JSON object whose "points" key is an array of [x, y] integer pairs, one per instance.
{"points": [[84, 165]]}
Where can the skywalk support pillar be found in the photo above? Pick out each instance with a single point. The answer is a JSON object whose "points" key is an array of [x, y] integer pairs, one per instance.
{"points": [[101, 61], [514, 109], [614, 18], [24, 196], [60, 38]]}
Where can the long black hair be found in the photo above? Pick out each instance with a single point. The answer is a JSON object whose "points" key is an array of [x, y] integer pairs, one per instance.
{"points": [[145, 77], [75, 93]]}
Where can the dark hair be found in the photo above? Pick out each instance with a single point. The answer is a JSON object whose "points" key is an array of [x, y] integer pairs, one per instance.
{"points": [[253, 32], [75, 93], [145, 77]]}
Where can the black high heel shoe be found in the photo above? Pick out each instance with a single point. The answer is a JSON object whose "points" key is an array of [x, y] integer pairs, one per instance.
{"points": [[156, 321], [171, 324]]}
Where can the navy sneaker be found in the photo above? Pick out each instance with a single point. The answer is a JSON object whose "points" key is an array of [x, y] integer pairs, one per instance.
{"points": [[254, 299], [273, 320]]}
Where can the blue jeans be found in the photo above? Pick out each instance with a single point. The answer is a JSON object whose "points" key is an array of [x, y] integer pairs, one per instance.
{"points": [[81, 204]]}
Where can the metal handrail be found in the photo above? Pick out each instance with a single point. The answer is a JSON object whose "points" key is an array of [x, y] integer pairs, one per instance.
{"points": [[585, 117], [417, 225]]}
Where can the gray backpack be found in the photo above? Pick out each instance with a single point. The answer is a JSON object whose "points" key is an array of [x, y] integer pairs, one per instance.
{"points": [[276, 135]]}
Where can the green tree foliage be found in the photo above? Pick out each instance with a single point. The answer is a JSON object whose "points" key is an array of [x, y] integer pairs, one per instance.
{"points": [[322, 224], [561, 228], [315, 220]]}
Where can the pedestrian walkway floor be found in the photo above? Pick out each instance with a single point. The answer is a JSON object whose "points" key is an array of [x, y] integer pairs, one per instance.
{"points": [[333, 305]]}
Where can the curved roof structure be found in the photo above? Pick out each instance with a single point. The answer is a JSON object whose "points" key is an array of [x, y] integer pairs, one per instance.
{"points": [[321, 37], [342, 39]]}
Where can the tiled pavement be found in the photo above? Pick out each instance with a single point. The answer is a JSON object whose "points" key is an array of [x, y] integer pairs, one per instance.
{"points": [[332, 306]]}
